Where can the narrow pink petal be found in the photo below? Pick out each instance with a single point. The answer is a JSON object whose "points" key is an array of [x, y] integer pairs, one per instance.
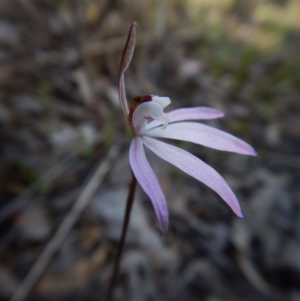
{"points": [[148, 181], [185, 114], [202, 134], [196, 168], [197, 113]]}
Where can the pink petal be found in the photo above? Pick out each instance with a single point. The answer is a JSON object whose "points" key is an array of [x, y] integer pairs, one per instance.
{"points": [[184, 114], [196, 168], [148, 181], [202, 134]]}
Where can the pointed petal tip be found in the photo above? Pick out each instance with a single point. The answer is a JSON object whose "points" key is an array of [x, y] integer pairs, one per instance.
{"points": [[245, 149], [241, 215], [220, 114], [163, 219], [251, 151], [164, 228], [255, 153], [236, 208]]}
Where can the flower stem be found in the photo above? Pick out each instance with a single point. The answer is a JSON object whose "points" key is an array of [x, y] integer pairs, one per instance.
{"points": [[129, 203]]}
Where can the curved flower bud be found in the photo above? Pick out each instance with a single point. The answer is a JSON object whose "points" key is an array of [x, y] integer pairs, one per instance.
{"points": [[125, 61]]}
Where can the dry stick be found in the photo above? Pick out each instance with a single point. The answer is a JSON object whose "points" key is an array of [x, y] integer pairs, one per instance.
{"points": [[126, 220], [254, 276], [64, 228]]}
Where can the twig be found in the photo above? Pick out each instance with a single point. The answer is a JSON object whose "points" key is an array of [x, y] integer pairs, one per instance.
{"points": [[254, 277], [53, 245], [126, 220]]}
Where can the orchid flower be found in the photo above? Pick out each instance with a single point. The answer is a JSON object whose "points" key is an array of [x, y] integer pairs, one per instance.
{"points": [[148, 121]]}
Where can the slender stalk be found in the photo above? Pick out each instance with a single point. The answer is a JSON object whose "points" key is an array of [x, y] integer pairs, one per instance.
{"points": [[129, 203]]}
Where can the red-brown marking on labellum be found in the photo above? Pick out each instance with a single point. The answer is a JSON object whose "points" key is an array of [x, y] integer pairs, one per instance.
{"points": [[136, 101]]}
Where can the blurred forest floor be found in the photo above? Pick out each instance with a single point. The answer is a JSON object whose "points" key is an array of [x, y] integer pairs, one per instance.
{"points": [[62, 134]]}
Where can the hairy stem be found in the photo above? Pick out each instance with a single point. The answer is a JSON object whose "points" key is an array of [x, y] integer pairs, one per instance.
{"points": [[129, 203]]}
